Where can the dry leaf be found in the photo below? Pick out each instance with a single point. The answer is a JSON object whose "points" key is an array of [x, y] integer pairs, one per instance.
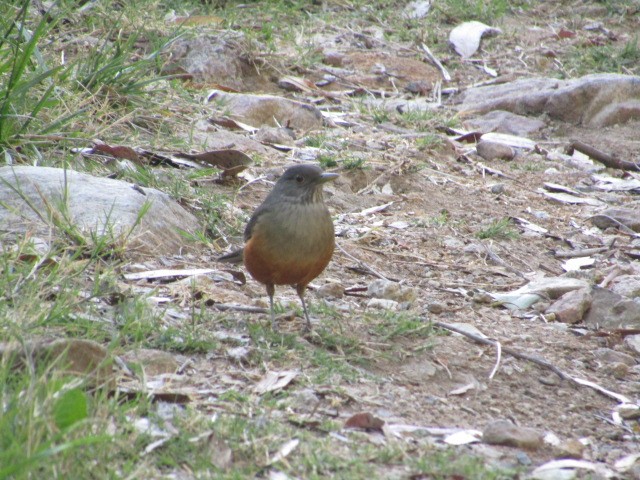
{"points": [[116, 151], [232, 162], [275, 381]]}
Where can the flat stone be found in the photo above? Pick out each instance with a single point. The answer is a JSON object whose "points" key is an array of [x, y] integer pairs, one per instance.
{"points": [[503, 432], [611, 356], [596, 100], [629, 216], [502, 121]]}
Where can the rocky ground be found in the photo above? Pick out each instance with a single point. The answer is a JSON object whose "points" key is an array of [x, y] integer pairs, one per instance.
{"points": [[441, 225]]}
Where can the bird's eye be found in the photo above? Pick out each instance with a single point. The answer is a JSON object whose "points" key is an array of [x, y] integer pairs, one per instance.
{"points": [[299, 178]]}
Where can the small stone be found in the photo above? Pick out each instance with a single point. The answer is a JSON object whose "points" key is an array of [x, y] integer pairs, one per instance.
{"points": [[551, 380], [571, 448], [453, 243], [493, 150], [632, 342], [616, 369], [333, 58], [279, 135], [382, 304], [571, 307], [153, 362], [498, 188], [523, 458], [503, 432], [386, 289], [629, 412], [436, 308], [330, 290]]}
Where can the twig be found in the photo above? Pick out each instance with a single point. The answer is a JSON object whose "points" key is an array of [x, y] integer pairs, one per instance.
{"points": [[538, 361], [224, 307], [432, 58], [498, 357], [609, 278], [390, 171], [494, 256], [362, 264], [579, 253], [610, 161], [510, 351]]}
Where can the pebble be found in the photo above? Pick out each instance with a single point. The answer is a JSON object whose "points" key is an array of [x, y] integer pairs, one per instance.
{"points": [[330, 290], [382, 304], [498, 188], [436, 308], [385, 289]]}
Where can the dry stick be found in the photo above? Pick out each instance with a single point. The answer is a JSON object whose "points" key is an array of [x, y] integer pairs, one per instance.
{"points": [[580, 253], [494, 256], [602, 157], [536, 360], [432, 59], [224, 307], [361, 263], [510, 351]]}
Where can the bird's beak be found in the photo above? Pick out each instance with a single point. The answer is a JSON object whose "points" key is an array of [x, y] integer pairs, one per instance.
{"points": [[327, 177]]}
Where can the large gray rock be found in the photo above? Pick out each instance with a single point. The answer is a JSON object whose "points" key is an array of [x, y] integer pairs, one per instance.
{"points": [[610, 311], [594, 100], [41, 200]]}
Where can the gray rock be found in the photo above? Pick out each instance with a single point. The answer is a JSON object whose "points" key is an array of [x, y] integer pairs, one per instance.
{"points": [[571, 307], [632, 342], [596, 100], [259, 110], [503, 432], [494, 150], [505, 122], [610, 311], [626, 285], [611, 356], [218, 59], [391, 291], [50, 198], [628, 216]]}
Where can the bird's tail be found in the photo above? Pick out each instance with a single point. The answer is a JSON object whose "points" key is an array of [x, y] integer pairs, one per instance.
{"points": [[236, 256]]}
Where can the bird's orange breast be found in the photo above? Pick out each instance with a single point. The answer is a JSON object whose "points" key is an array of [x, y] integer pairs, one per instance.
{"points": [[291, 246]]}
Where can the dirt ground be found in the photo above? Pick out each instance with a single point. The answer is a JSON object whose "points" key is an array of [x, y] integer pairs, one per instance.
{"points": [[426, 238]]}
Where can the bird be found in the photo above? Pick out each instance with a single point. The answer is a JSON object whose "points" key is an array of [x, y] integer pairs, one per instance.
{"points": [[289, 239]]}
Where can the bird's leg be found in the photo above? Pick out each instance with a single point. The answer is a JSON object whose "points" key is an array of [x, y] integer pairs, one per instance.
{"points": [[271, 290], [300, 289]]}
